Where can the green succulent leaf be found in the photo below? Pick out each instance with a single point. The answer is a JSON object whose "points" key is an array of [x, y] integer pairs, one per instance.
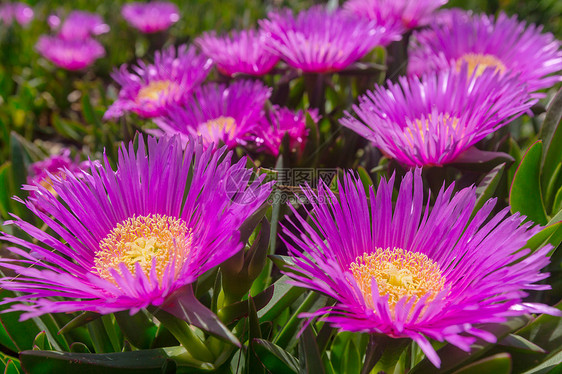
{"points": [[311, 359], [497, 364], [525, 195], [135, 362], [487, 187], [551, 134], [274, 358]]}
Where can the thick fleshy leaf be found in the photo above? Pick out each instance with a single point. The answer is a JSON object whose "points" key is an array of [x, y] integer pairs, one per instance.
{"points": [[477, 158], [487, 187], [274, 358], [236, 311], [516, 341], [290, 330], [549, 234], [553, 185], [557, 204], [525, 195], [90, 115], [78, 347], [365, 178], [249, 225], [545, 331], [19, 335], [549, 366], [264, 279], [138, 329], [497, 364], [184, 305], [144, 361], [20, 161], [310, 357], [284, 295], [551, 134], [41, 342], [11, 367], [253, 365], [5, 191], [80, 320], [100, 339]]}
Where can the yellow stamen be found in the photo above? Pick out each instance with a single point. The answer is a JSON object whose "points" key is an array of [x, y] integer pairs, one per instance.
{"points": [[398, 274], [479, 62], [423, 126], [221, 125], [155, 90], [144, 239]]}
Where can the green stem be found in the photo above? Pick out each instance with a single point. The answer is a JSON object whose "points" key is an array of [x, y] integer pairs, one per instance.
{"points": [[290, 327], [186, 336]]}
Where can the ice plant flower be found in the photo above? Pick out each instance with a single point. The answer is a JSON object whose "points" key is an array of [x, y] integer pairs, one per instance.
{"points": [[151, 17], [69, 54], [240, 52], [129, 238], [151, 88], [412, 273], [318, 40], [78, 25], [276, 124], [395, 15], [219, 113], [433, 119], [41, 172], [482, 41], [22, 13]]}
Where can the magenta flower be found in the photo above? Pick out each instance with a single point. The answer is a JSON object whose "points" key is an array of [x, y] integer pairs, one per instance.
{"points": [[78, 25], [318, 40], [22, 13], [389, 274], [280, 121], [152, 88], [40, 173], [240, 52], [396, 16], [151, 17], [481, 41], [219, 113], [129, 239], [69, 54], [432, 120]]}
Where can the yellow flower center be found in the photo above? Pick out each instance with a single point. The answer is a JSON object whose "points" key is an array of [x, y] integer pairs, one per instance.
{"points": [[155, 90], [398, 274], [423, 126], [221, 125], [479, 62], [153, 241]]}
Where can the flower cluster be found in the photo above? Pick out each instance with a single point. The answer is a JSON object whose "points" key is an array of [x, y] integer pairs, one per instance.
{"points": [[152, 88], [20, 12], [319, 40], [397, 16], [242, 52], [432, 120], [398, 270], [484, 41], [219, 113], [40, 173], [181, 225], [73, 47], [131, 237], [151, 17]]}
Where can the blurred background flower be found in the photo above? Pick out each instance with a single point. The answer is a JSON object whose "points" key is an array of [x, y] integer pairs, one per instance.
{"points": [[152, 16]]}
